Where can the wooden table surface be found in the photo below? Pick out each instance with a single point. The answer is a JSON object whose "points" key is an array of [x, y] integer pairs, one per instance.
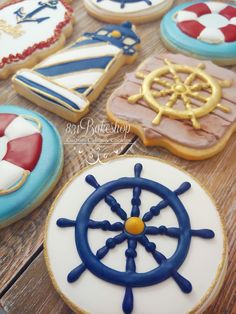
{"points": [[25, 286]]}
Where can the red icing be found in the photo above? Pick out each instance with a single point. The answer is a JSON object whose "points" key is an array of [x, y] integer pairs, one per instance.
{"points": [[199, 8], [25, 151], [5, 120], [229, 12], [229, 32], [44, 44], [191, 28]]}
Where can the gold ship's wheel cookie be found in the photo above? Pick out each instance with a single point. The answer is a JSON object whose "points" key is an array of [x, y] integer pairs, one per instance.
{"points": [[193, 87]]}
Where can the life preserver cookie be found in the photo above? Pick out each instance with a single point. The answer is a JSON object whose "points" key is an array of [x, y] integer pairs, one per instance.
{"points": [[179, 103], [20, 20], [67, 82], [136, 11], [26, 175], [123, 232], [206, 29]]}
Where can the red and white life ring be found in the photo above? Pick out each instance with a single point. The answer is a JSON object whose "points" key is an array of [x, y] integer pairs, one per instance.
{"points": [[20, 149], [211, 22]]}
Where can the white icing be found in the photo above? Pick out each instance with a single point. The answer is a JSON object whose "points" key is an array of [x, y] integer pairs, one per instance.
{"points": [[20, 127], [90, 293], [212, 36], [34, 77], [9, 174], [134, 7], [213, 20], [182, 16], [3, 146], [81, 53], [79, 79], [216, 7], [233, 21], [32, 32]]}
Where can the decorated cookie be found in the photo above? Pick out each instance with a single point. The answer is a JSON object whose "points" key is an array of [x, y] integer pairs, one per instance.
{"points": [[206, 29], [136, 237], [177, 102], [69, 81], [136, 11], [31, 160], [31, 30]]}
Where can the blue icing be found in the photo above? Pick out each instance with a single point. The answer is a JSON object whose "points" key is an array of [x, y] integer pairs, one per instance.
{"points": [[85, 42], [125, 30], [48, 91], [44, 174], [30, 17], [80, 65], [166, 267], [175, 37]]}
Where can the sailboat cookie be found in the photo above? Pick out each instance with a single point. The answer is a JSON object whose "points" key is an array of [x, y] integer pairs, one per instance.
{"points": [[67, 82]]}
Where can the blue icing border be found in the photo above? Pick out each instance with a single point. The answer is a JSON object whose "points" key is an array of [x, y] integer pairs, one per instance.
{"points": [[173, 35], [44, 174]]}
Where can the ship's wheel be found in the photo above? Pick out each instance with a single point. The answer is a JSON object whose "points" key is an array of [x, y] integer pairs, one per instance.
{"points": [[124, 2], [133, 229], [197, 85]]}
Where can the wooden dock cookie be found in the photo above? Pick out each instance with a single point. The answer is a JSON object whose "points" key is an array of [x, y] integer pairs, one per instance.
{"points": [[179, 103]]}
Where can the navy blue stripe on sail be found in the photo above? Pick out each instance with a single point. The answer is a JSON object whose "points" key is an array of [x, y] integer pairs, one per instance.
{"points": [[46, 90], [75, 66], [86, 42]]}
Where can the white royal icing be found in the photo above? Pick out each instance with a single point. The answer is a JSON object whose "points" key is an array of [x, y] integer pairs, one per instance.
{"points": [[9, 174], [212, 36], [32, 32], [20, 127], [213, 20], [79, 79], [182, 16], [34, 77], [3, 146], [91, 293], [112, 6], [216, 7], [81, 53], [233, 21]]}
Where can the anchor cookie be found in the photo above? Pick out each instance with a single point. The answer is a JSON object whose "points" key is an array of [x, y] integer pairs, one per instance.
{"points": [[31, 160], [179, 103], [67, 82], [136, 11], [20, 20], [135, 230], [206, 29]]}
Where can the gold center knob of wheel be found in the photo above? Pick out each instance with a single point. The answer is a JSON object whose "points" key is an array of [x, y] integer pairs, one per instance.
{"points": [[134, 225], [180, 88]]}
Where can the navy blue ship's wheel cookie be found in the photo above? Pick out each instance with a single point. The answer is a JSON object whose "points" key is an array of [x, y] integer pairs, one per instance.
{"points": [[133, 230], [135, 226]]}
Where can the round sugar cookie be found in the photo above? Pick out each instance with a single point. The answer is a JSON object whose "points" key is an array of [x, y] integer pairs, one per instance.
{"points": [[204, 29], [138, 232], [31, 161], [136, 11]]}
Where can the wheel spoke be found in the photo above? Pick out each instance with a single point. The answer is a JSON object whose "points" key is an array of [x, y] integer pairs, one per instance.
{"points": [[155, 210], [150, 247], [199, 87], [105, 225], [162, 93], [109, 199], [136, 202], [172, 101], [176, 77], [172, 232], [162, 82], [110, 244]]}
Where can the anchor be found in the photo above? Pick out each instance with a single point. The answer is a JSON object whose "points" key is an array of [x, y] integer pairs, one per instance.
{"points": [[23, 17]]}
